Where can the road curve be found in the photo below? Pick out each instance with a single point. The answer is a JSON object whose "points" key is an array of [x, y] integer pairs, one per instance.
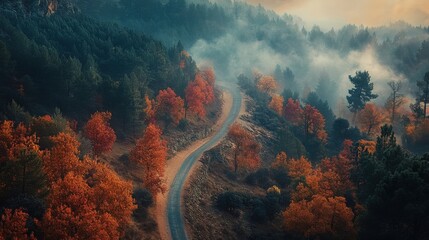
{"points": [[175, 217]]}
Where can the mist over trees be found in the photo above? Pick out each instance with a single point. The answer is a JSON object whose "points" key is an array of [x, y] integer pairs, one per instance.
{"points": [[83, 75]]}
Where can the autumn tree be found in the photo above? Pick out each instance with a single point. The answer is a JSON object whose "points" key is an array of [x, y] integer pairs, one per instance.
{"points": [[13, 225], [297, 168], [209, 75], [149, 110], [280, 161], [395, 100], [198, 94], [14, 140], [170, 107], [336, 170], [21, 170], [370, 119], [150, 153], [320, 216], [63, 157], [276, 104], [246, 149], [293, 111], [111, 194], [361, 93], [267, 84], [71, 212], [313, 122], [99, 132]]}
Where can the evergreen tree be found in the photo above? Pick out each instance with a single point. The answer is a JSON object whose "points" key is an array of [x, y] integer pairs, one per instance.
{"points": [[23, 176], [361, 93], [423, 94]]}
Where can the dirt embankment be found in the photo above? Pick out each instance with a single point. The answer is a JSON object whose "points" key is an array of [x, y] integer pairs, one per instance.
{"points": [[212, 177]]}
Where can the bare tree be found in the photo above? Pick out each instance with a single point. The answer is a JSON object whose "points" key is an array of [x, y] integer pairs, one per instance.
{"points": [[395, 100]]}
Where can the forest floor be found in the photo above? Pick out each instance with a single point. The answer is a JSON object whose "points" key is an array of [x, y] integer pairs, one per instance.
{"points": [[213, 176]]}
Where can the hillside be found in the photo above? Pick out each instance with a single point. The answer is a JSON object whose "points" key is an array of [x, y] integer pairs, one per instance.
{"points": [[107, 107]]}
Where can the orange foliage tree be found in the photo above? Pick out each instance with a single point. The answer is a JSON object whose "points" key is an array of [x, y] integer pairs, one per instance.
{"points": [[170, 106], [111, 194], [280, 161], [321, 216], [313, 122], [370, 119], [246, 149], [63, 157], [149, 110], [267, 84], [209, 75], [21, 170], [13, 225], [99, 132], [71, 213], [298, 168], [198, 94], [337, 170], [276, 104], [292, 111], [365, 145], [150, 152], [16, 141]]}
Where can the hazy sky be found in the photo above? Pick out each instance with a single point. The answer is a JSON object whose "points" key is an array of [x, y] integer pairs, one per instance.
{"points": [[339, 12]]}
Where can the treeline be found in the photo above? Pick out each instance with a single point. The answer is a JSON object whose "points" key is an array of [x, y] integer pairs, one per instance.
{"points": [[400, 46], [172, 21], [80, 66]]}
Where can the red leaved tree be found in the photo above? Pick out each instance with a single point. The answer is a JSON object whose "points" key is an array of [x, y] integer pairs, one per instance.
{"points": [[320, 216], [99, 132], [293, 111], [13, 225], [276, 104], [63, 157], [198, 94], [111, 194], [170, 107], [267, 84], [313, 122], [150, 153], [17, 141], [209, 75], [246, 149], [370, 119], [149, 110], [72, 214]]}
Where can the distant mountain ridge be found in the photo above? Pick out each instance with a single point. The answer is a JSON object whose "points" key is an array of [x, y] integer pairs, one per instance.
{"points": [[40, 7]]}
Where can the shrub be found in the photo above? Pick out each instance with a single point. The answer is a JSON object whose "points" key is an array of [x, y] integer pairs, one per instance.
{"points": [[229, 202]]}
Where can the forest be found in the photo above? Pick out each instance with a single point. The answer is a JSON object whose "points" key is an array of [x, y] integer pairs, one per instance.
{"points": [[99, 98]]}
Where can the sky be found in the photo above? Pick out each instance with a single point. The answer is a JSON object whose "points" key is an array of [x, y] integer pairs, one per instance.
{"points": [[336, 13]]}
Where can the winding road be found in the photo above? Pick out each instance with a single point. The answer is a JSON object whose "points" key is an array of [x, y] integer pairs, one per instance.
{"points": [[175, 217]]}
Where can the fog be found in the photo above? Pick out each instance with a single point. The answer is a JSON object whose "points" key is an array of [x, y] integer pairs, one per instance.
{"points": [[335, 13], [313, 39], [232, 54]]}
